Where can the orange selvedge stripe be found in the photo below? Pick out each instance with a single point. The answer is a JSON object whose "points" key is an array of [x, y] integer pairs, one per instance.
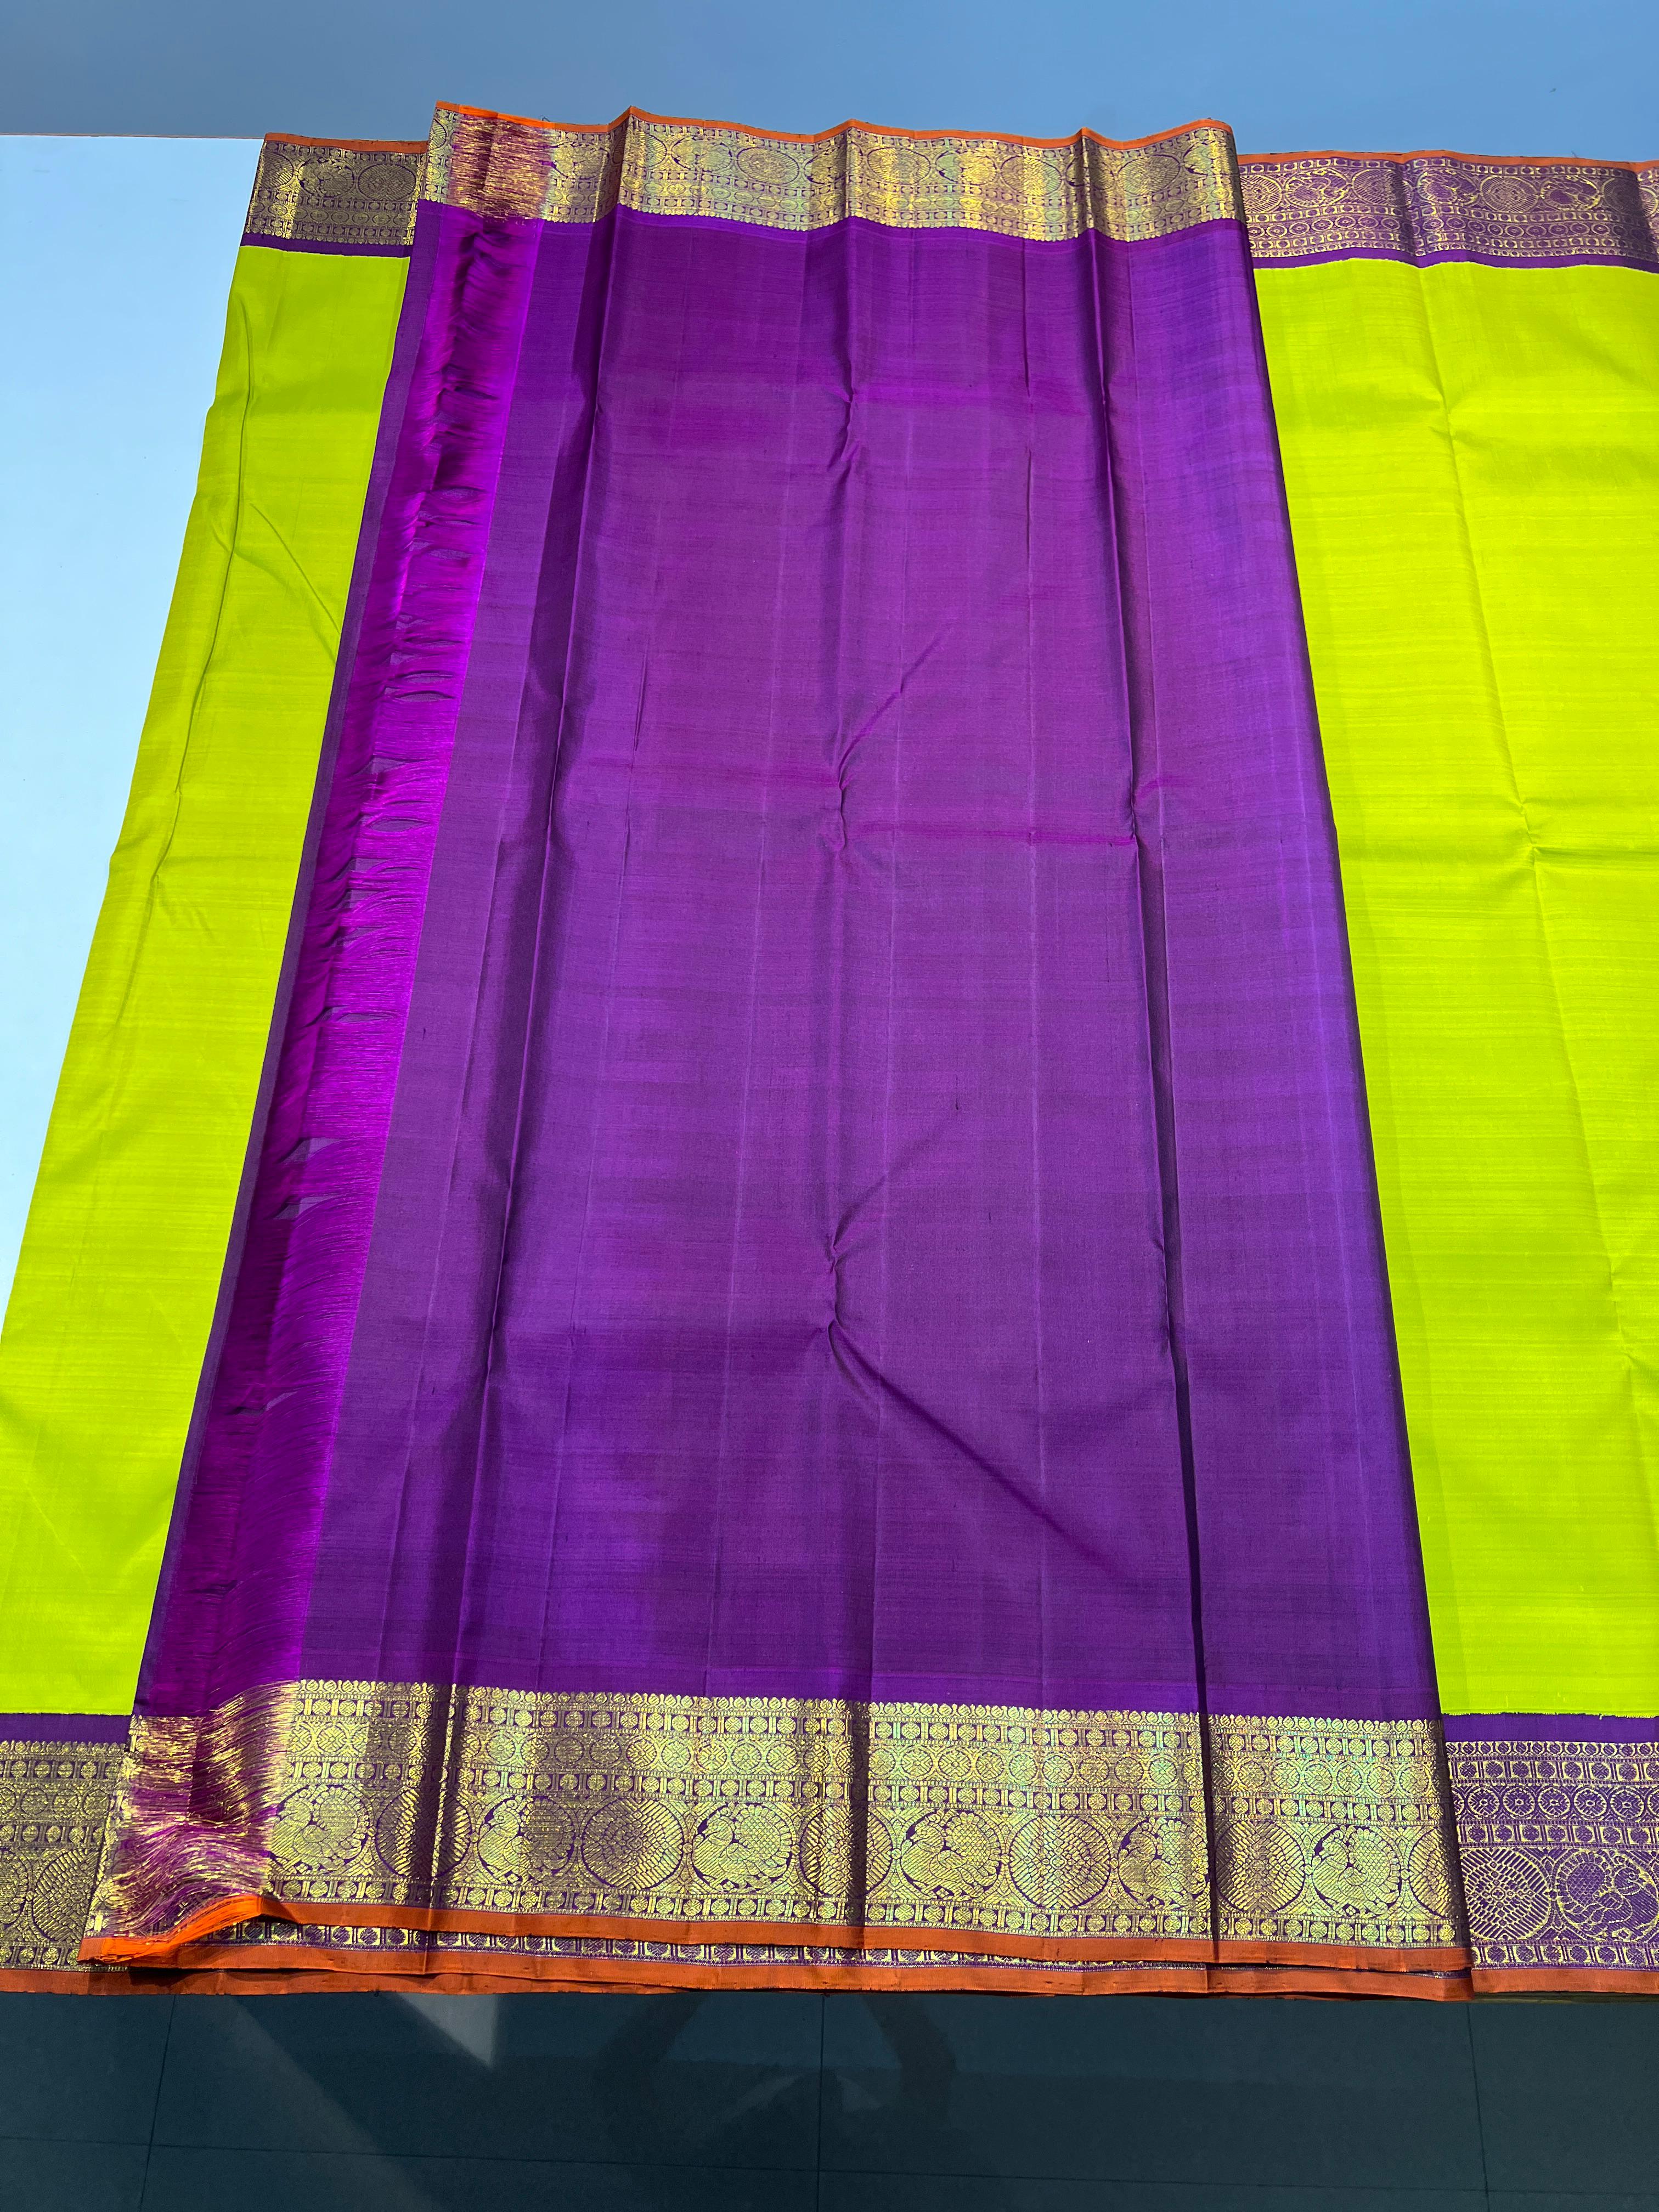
{"points": [[1068, 1950], [227, 1968], [349, 145]]}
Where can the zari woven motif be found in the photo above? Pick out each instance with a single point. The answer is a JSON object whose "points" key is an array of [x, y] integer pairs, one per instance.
{"points": [[926, 180], [1559, 1849], [906, 1820], [354, 199], [54, 1801], [1425, 207]]}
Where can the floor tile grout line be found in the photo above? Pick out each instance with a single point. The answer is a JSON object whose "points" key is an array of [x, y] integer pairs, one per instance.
{"points": [[1480, 2115], [155, 2102], [482, 2158], [1356, 2189], [818, 2147], [74, 2134]]}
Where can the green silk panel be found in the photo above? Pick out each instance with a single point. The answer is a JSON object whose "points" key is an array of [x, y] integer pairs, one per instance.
{"points": [[1472, 460], [115, 1284]]}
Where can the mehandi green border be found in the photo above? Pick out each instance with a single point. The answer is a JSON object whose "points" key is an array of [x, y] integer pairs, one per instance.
{"points": [[1472, 457], [114, 1295]]}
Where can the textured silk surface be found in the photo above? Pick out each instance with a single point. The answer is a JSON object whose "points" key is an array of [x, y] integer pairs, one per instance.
{"points": [[114, 1296], [837, 947], [1472, 456]]}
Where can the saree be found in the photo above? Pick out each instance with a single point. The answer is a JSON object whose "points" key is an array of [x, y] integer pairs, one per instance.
{"points": [[804, 1389]]}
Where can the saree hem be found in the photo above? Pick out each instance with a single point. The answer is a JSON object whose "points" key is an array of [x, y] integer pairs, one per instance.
{"points": [[1196, 1951], [253, 1969]]}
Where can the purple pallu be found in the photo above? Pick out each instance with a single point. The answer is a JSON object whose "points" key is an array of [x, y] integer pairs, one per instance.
{"points": [[817, 1178]]}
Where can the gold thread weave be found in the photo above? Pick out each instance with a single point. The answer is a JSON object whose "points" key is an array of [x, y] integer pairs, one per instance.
{"points": [[1428, 206], [54, 1801], [344, 197], [1559, 1847], [500, 166], [901, 1820]]}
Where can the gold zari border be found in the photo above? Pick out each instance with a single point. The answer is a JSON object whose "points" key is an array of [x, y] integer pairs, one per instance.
{"points": [[506, 166], [311, 191], [54, 1802], [1559, 1847], [1433, 206], [916, 1826]]}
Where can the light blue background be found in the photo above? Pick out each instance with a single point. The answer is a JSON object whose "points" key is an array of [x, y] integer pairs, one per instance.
{"points": [[115, 259], [113, 340], [1494, 76]]}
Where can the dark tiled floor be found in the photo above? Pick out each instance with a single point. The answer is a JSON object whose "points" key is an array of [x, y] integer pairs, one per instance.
{"points": [[785, 2103]]}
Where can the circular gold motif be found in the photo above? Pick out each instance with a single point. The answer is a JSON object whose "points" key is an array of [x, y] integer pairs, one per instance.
{"points": [[765, 165], [1355, 1869], [950, 1855], [1260, 1866], [603, 1750], [1505, 194], [1160, 1863], [1607, 1894], [526, 1842], [1508, 1893], [1059, 1863], [631, 1845], [671, 1754], [321, 1833], [743, 1848]]}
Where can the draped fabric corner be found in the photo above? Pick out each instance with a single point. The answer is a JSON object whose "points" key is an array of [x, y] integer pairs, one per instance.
{"points": [[887, 1174]]}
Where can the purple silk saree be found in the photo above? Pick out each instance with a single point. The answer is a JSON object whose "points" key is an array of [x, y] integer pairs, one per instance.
{"points": [[806, 1391]]}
